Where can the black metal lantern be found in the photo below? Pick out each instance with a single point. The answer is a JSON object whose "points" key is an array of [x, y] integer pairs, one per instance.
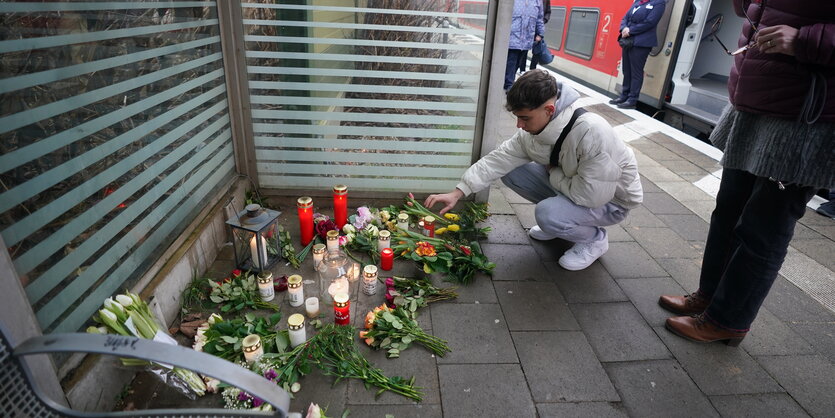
{"points": [[255, 238]]}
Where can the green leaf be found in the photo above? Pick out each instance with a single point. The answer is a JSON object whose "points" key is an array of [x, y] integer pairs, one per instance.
{"points": [[413, 305], [407, 339], [388, 316], [281, 342], [249, 317], [228, 339], [240, 306], [226, 308], [216, 299]]}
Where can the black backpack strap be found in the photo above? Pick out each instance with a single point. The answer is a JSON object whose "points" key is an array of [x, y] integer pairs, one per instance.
{"points": [[555, 153]]}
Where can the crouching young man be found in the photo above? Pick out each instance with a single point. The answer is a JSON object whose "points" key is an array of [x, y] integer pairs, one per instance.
{"points": [[589, 182]]}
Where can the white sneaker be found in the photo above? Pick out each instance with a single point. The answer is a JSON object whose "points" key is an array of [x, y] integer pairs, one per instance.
{"points": [[582, 255], [538, 234]]}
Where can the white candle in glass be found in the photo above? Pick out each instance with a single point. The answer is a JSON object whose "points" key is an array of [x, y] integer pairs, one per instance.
{"points": [[265, 286], [383, 240], [318, 254], [403, 221], [295, 327], [295, 291], [333, 240], [311, 306], [253, 250], [252, 348], [339, 285], [369, 280]]}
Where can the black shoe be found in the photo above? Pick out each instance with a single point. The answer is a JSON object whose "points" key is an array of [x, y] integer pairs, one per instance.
{"points": [[827, 209], [617, 100], [627, 105]]}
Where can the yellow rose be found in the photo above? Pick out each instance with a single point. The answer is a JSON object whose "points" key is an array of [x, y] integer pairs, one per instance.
{"points": [[440, 231], [454, 228], [452, 217]]}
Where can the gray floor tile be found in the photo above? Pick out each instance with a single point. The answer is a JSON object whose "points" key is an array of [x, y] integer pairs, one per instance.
{"points": [[791, 304], [810, 380], [641, 217], [803, 232], [718, 369], [480, 290], [525, 213], [515, 262], [485, 390], [550, 250], [684, 271], [770, 336], [614, 116], [505, 229], [664, 243], [421, 410], [560, 366], [475, 333], [664, 204], [594, 284], [628, 260], [686, 169], [616, 233], [821, 250], [415, 361], [756, 406], [820, 334], [689, 227], [581, 410], [649, 187], [497, 204], [655, 151], [513, 197], [644, 294], [618, 332], [529, 306], [658, 388], [314, 386]]}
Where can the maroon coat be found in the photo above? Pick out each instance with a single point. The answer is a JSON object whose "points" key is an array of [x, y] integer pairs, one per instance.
{"points": [[777, 84]]}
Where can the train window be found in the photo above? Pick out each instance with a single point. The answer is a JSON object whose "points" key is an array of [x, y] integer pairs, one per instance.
{"points": [[555, 28], [582, 31]]}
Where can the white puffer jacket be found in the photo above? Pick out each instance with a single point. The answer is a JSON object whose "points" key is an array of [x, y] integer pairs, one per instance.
{"points": [[595, 166]]}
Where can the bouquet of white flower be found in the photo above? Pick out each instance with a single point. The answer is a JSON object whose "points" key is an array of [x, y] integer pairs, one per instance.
{"points": [[129, 315]]}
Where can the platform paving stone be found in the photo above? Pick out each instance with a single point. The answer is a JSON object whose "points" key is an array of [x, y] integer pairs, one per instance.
{"points": [[640, 217], [560, 366], [314, 386], [525, 213], [654, 151], [770, 336], [810, 380], [759, 405], [505, 229], [664, 243], [718, 369], [515, 262], [664, 204], [791, 304], [658, 388], [422, 410], [629, 260], [479, 290], [685, 271], [534, 306], [820, 334], [648, 186], [689, 227], [497, 204], [644, 294], [550, 250], [594, 284], [618, 332], [485, 390], [616, 233], [511, 196], [476, 333], [819, 250], [415, 362], [581, 410]]}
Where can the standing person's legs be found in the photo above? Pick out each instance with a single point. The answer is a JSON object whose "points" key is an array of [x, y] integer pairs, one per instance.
{"points": [[534, 61], [637, 59], [510, 68], [626, 69]]}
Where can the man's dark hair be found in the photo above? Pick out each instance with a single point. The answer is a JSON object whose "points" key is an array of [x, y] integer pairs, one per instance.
{"points": [[532, 90]]}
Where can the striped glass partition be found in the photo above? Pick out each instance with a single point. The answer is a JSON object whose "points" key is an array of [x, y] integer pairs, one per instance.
{"points": [[377, 94], [114, 131]]}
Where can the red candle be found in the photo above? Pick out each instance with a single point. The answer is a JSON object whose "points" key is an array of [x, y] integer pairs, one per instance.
{"points": [[429, 226], [341, 309], [340, 205], [305, 208], [386, 258]]}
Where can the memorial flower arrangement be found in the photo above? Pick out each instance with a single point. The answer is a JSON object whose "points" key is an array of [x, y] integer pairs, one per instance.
{"points": [[223, 338], [456, 261], [394, 330], [237, 292], [234, 398], [413, 294]]}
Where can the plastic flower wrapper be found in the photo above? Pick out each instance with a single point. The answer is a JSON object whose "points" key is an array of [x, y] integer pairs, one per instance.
{"points": [[129, 315], [394, 330]]}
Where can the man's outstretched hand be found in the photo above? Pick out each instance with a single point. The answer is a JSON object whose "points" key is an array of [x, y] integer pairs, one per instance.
{"points": [[448, 199]]}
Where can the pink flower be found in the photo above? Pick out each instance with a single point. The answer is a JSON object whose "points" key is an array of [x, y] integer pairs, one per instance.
{"points": [[390, 283]]}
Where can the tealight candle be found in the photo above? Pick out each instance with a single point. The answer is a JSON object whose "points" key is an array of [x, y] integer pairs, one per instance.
{"points": [[311, 306], [255, 250], [403, 221], [265, 286], [304, 206], [386, 259], [295, 327], [429, 226], [295, 290], [341, 309], [252, 348], [340, 205], [337, 286], [383, 240], [318, 254], [369, 280], [333, 240]]}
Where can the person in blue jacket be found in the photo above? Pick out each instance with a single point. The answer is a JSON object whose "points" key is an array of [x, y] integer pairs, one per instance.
{"points": [[639, 25], [527, 26]]}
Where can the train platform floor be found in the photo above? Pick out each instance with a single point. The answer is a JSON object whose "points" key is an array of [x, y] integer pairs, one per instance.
{"points": [[537, 340]]}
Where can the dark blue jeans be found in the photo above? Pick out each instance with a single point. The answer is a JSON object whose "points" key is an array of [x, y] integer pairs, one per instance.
{"points": [[749, 236], [514, 57], [632, 64]]}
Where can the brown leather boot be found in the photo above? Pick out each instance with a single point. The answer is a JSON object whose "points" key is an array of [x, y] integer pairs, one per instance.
{"points": [[699, 329], [692, 304]]}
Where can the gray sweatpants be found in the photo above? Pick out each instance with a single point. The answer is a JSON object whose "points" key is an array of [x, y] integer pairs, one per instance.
{"points": [[555, 213]]}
